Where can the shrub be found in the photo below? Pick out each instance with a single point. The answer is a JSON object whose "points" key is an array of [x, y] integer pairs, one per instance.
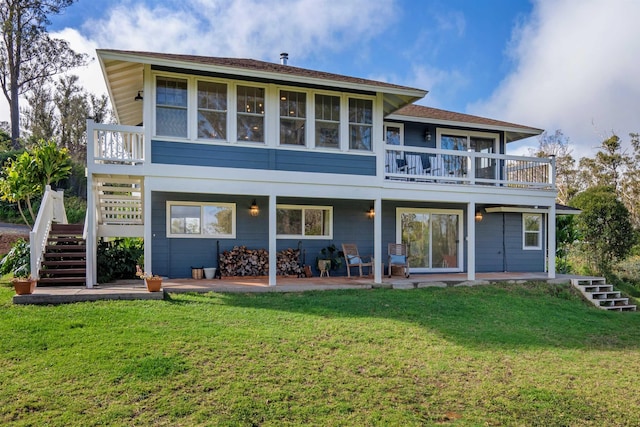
{"points": [[117, 258], [76, 209]]}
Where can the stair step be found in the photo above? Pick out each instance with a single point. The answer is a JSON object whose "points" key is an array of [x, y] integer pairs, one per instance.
{"points": [[621, 308], [602, 295], [75, 248], [61, 280], [605, 295], [64, 262], [63, 271], [64, 239], [66, 255], [67, 228]]}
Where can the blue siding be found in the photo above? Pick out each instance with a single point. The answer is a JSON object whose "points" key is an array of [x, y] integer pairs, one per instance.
{"points": [[174, 257], [181, 153], [499, 245]]}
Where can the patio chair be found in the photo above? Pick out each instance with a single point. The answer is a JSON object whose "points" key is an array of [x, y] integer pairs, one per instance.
{"points": [[353, 259], [398, 257]]}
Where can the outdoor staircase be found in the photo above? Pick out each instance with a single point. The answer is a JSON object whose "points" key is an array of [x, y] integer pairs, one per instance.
{"points": [[64, 260], [602, 295]]}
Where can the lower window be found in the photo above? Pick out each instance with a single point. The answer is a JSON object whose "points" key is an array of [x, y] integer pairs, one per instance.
{"points": [[304, 221], [195, 219], [532, 231]]}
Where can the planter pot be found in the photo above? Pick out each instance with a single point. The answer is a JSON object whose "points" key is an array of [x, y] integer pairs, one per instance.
{"points": [[24, 286], [209, 272], [153, 284], [324, 265]]}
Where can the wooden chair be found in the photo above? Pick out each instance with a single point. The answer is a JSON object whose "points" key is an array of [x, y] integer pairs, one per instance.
{"points": [[353, 259], [398, 257]]}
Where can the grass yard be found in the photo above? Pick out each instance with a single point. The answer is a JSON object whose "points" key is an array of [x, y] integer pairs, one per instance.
{"points": [[490, 355]]}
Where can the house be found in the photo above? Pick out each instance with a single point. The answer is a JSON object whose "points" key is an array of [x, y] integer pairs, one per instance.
{"points": [[212, 153]]}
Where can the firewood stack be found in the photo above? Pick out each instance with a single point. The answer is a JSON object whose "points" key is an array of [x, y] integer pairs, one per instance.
{"points": [[241, 261]]}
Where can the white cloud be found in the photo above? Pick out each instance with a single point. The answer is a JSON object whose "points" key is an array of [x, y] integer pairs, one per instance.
{"points": [[244, 28], [576, 69]]}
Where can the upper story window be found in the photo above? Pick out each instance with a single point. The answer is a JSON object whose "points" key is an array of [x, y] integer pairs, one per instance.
{"points": [[194, 219], [250, 113], [171, 107], [327, 121], [212, 110], [532, 231], [293, 116], [360, 124], [394, 133]]}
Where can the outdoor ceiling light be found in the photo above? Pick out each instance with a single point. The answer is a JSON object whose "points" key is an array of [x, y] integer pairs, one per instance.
{"points": [[254, 210]]}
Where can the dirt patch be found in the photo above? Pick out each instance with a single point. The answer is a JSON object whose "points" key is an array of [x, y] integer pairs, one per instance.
{"points": [[9, 235]]}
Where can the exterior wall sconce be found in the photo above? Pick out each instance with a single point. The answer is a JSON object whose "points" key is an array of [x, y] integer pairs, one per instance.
{"points": [[254, 210], [138, 96], [478, 215], [371, 212], [427, 135]]}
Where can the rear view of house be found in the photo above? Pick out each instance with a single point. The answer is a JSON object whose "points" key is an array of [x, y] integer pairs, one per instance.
{"points": [[214, 153]]}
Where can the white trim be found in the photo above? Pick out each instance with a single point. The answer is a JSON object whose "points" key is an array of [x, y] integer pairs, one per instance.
{"points": [[400, 127], [200, 235], [468, 134], [525, 232], [515, 209], [303, 208], [460, 231]]}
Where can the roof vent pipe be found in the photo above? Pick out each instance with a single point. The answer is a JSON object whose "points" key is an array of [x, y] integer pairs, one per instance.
{"points": [[284, 57]]}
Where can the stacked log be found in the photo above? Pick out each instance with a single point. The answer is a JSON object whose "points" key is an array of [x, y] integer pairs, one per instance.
{"points": [[241, 261], [288, 263]]}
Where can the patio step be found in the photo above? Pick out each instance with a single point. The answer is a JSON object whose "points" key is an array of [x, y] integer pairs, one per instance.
{"points": [[602, 295], [64, 261]]}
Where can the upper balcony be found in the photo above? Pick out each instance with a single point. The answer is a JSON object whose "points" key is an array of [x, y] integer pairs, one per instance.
{"points": [[416, 164], [125, 145]]}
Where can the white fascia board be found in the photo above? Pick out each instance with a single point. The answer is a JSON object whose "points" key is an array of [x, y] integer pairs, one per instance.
{"points": [[462, 124], [414, 93], [106, 81], [516, 209]]}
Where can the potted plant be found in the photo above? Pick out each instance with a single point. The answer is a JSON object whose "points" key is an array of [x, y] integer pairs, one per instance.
{"points": [[329, 258], [152, 281], [18, 260]]}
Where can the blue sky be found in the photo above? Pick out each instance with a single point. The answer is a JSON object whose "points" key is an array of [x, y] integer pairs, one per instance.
{"points": [[552, 64]]}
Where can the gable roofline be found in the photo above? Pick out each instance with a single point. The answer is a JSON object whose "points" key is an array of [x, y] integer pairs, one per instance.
{"points": [[423, 114], [114, 61]]}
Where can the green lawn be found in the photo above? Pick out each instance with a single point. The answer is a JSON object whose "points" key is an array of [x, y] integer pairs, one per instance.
{"points": [[490, 355]]}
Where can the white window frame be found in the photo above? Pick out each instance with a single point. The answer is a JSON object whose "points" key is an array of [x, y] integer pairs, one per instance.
{"points": [[308, 109], [265, 128], [367, 125], [468, 135], [201, 205], [525, 232], [303, 208], [228, 85], [400, 126], [155, 77]]}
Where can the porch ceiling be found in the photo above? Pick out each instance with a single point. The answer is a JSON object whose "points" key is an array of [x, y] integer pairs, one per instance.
{"points": [[124, 79]]}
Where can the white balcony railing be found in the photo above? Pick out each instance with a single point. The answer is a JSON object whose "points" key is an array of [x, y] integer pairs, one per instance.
{"points": [[115, 144], [416, 164]]}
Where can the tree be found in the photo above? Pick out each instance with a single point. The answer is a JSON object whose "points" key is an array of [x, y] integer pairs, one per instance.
{"points": [[27, 53], [25, 176], [604, 226], [60, 112], [630, 185], [566, 174], [608, 166]]}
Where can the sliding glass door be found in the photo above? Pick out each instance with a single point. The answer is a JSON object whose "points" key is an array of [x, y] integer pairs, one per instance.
{"points": [[434, 238]]}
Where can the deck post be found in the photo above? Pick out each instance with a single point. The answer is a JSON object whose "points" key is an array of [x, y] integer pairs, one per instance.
{"points": [[272, 240], [551, 241], [377, 241], [471, 241]]}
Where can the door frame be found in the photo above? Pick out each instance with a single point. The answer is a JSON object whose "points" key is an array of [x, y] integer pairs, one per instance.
{"points": [[460, 240]]}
